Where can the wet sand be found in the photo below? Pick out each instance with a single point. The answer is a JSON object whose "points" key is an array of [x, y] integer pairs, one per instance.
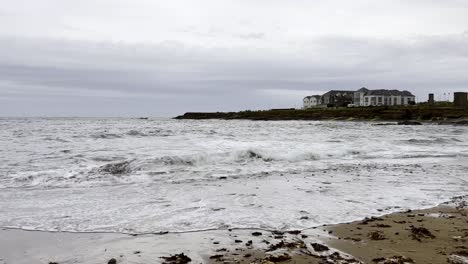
{"points": [[423, 236], [436, 235]]}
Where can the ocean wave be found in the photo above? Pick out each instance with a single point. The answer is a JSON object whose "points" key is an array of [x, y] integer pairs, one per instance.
{"points": [[136, 133], [117, 168], [133, 133], [251, 155], [425, 141], [105, 136]]}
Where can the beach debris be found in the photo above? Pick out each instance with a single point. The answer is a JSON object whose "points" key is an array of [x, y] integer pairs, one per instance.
{"points": [[456, 259], [177, 259], [418, 233], [136, 252], [319, 247], [393, 260], [112, 261], [279, 258], [287, 245], [336, 257], [217, 257], [382, 225], [376, 235], [368, 220], [355, 239]]}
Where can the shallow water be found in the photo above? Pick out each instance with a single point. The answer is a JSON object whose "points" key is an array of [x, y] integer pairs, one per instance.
{"points": [[131, 175]]}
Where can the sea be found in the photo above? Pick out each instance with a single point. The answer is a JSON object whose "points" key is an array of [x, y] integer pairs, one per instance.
{"points": [[137, 176]]}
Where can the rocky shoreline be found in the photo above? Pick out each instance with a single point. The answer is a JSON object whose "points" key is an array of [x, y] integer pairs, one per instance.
{"points": [[435, 235], [445, 115]]}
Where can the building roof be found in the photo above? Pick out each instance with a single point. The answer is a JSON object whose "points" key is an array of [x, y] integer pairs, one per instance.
{"points": [[315, 96], [363, 89], [389, 92], [339, 91]]}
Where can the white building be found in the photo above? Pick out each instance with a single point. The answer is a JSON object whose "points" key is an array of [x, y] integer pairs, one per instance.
{"points": [[366, 97], [311, 101]]}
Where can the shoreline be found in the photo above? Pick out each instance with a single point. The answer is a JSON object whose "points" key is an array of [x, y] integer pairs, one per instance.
{"points": [[400, 235], [418, 114]]}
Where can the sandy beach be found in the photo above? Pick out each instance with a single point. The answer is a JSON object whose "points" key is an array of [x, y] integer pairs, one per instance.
{"points": [[435, 235]]}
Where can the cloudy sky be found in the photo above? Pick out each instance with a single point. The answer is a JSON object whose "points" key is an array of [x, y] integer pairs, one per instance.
{"points": [[162, 58]]}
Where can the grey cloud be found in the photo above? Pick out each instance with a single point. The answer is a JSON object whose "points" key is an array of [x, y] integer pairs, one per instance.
{"points": [[253, 35], [40, 76]]}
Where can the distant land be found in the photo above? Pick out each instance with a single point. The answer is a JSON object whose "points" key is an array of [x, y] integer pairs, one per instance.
{"points": [[442, 113]]}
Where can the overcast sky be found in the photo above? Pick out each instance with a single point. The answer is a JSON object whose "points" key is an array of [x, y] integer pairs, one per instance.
{"points": [[163, 58]]}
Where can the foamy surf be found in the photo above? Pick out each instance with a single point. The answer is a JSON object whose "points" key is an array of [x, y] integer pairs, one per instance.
{"points": [[144, 176]]}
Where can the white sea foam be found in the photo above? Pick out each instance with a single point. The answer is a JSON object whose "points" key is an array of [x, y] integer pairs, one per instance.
{"points": [[128, 175]]}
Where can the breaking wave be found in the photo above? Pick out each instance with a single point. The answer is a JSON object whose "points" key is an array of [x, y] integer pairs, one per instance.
{"points": [[426, 141], [105, 136]]}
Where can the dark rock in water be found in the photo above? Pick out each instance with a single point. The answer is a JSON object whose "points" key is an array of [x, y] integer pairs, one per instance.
{"points": [[409, 123], [50, 262], [177, 259], [253, 155], [237, 241], [112, 261], [384, 124], [294, 232], [319, 247], [463, 122], [116, 168], [249, 243], [256, 234]]}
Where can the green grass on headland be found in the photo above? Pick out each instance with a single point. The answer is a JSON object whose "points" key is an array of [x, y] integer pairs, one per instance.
{"points": [[422, 112]]}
